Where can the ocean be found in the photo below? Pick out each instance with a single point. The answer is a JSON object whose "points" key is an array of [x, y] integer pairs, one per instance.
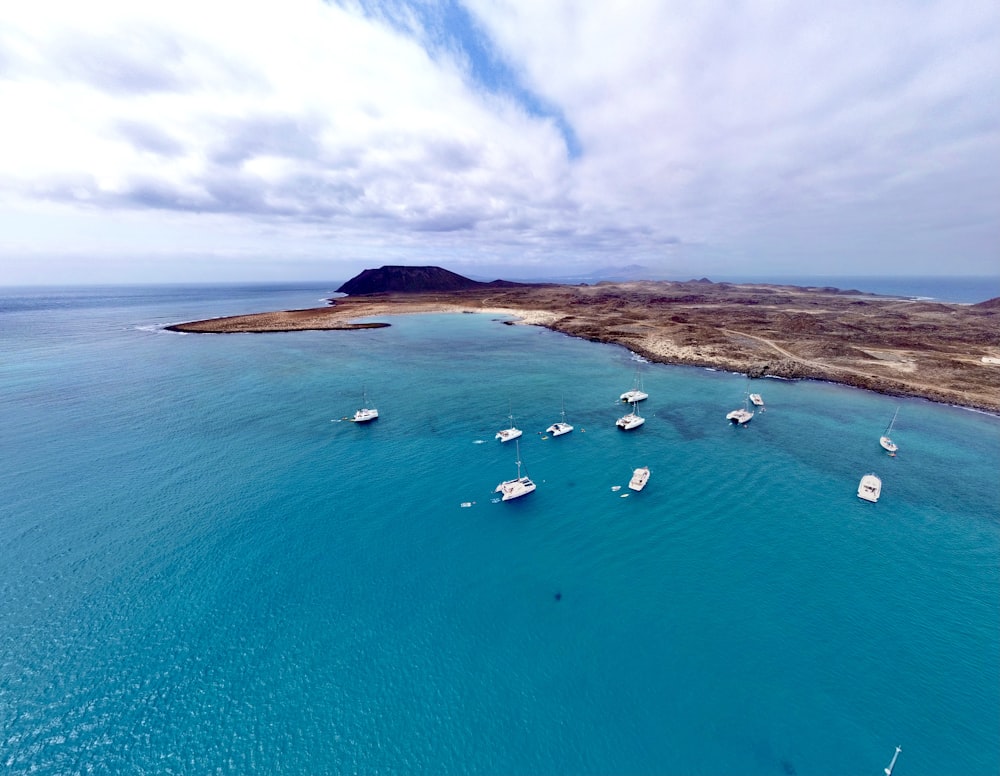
{"points": [[205, 569]]}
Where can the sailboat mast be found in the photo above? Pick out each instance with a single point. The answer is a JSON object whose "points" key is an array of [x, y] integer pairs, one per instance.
{"points": [[888, 771]]}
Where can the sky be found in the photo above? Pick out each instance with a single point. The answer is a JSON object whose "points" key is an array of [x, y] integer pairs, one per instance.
{"points": [[217, 140]]}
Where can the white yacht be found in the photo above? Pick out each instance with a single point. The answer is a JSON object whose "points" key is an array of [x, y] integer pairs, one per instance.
{"points": [[756, 400], [561, 427], [639, 478], [636, 394], [517, 487], [870, 488], [630, 421], [744, 415], [740, 416], [507, 434], [366, 413], [885, 440]]}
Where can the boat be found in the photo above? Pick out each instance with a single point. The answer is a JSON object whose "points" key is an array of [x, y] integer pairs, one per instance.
{"points": [[885, 440], [636, 394], [888, 771], [630, 421], [743, 415], [870, 488], [517, 487], [507, 434], [639, 478], [756, 400], [561, 427], [366, 413]]}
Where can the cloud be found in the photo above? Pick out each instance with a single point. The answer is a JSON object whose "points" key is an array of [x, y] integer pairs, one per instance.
{"points": [[512, 131]]}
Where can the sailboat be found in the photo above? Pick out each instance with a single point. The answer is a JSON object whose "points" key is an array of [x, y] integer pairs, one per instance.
{"points": [[636, 394], [630, 421], [366, 413], [888, 771], [885, 440], [517, 487], [744, 415], [561, 427], [507, 434]]}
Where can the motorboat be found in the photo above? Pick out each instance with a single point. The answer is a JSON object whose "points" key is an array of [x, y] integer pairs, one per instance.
{"points": [[639, 478], [756, 400], [521, 485], [870, 488]]}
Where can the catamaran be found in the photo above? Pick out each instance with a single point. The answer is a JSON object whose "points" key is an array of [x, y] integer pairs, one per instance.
{"points": [[366, 413], [630, 421], [885, 440], [560, 427], [870, 488], [636, 394], [507, 434], [517, 487]]}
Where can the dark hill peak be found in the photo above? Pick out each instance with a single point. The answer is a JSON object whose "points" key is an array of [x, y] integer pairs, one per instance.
{"points": [[400, 279]]}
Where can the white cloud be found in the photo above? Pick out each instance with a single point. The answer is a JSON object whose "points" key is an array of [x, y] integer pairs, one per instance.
{"points": [[309, 129]]}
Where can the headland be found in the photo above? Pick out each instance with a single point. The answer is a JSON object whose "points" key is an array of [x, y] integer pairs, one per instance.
{"points": [[943, 352]]}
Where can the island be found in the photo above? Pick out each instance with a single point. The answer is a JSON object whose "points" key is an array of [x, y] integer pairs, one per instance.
{"points": [[943, 352]]}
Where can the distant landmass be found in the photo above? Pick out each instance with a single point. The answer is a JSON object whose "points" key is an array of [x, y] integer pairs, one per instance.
{"points": [[415, 280]]}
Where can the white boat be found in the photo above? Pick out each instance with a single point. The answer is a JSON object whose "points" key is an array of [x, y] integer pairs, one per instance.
{"points": [[885, 440], [517, 487], [366, 413], [630, 421], [743, 415], [507, 434], [561, 427], [636, 394], [870, 488], [639, 478], [756, 400]]}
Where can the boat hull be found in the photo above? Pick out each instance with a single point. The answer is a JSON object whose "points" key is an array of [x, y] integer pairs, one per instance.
{"points": [[365, 416], [870, 488], [508, 434], [639, 479], [629, 422], [740, 417], [558, 429], [512, 489], [633, 396], [888, 445]]}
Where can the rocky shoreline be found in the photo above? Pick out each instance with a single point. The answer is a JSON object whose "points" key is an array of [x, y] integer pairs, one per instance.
{"points": [[943, 352]]}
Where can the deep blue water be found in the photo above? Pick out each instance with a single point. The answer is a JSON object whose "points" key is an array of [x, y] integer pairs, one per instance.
{"points": [[203, 570]]}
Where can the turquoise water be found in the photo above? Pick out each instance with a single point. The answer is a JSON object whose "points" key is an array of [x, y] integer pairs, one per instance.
{"points": [[205, 571]]}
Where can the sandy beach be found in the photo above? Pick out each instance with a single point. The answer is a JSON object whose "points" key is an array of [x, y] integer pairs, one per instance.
{"points": [[943, 352]]}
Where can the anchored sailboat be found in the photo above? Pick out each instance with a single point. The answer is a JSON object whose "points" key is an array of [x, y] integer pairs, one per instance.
{"points": [[561, 427], [517, 487], [366, 413], [507, 434], [885, 440]]}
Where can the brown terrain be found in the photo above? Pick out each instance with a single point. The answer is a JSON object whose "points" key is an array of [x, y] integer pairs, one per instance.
{"points": [[943, 352]]}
